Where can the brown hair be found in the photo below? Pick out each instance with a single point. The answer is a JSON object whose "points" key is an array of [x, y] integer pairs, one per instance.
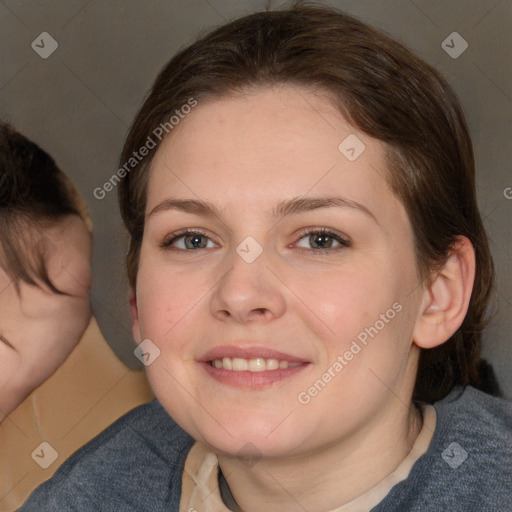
{"points": [[381, 88], [34, 194]]}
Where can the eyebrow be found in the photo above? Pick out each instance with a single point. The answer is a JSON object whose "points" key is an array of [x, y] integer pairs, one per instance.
{"points": [[306, 204], [188, 206], [287, 207]]}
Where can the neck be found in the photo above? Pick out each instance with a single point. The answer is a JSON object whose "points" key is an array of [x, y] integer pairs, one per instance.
{"points": [[328, 477]]}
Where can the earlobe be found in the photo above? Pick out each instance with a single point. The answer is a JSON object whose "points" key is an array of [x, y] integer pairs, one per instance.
{"points": [[135, 316], [446, 299]]}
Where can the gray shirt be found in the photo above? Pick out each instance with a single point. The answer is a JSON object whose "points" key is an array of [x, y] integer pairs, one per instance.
{"points": [[137, 463]]}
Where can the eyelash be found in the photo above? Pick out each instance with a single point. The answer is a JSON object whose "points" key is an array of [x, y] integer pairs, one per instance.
{"points": [[344, 242], [173, 237]]}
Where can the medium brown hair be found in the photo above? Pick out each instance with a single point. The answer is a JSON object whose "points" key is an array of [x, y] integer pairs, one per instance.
{"points": [[34, 195], [381, 88]]}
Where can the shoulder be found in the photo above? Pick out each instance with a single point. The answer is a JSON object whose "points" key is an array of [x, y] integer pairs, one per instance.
{"points": [[473, 400], [468, 463], [481, 420], [479, 426], [135, 464]]}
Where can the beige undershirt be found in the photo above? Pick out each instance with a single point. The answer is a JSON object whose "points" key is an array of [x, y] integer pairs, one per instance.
{"points": [[200, 484]]}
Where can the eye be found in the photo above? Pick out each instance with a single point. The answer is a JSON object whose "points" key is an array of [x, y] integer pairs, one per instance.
{"points": [[322, 240], [188, 239]]}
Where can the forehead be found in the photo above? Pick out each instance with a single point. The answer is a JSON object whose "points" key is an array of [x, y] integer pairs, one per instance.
{"points": [[255, 150]]}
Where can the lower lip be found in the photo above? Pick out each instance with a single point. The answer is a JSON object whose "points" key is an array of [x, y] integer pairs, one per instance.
{"points": [[251, 380]]}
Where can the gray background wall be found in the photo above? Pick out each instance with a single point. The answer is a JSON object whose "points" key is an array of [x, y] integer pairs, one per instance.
{"points": [[79, 102]]}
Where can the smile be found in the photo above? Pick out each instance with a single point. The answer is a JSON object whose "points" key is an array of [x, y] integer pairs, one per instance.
{"points": [[257, 364]]}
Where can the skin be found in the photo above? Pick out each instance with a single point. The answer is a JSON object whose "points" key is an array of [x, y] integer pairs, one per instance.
{"points": [[39, 328], [245, 155]]}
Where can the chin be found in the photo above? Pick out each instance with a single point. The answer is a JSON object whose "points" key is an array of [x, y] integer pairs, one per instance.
{"points": [[250, 439]]}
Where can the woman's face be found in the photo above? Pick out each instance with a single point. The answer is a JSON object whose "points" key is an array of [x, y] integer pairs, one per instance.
{"points": [[284, 319], [39, 328]]}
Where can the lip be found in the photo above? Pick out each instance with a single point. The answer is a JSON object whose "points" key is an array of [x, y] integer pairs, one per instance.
{"points": [[251, 380], [247, 379], [249, 352]]}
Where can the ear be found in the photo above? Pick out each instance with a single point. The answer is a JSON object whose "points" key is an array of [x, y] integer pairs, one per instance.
{"points": [[135, 316], [446, 299]]}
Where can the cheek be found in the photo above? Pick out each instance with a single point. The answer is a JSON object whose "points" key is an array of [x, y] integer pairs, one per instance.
{"points": [[364, 327], [343, 301], [41, 351], [51, 340], [165, 300]]}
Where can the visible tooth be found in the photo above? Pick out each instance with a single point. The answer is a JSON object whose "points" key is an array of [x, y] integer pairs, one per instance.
{"points": [[240, 364], [257, 365], [272, 364]]}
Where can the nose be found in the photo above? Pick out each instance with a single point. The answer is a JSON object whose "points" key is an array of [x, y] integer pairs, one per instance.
{"points": [[249, 292]]}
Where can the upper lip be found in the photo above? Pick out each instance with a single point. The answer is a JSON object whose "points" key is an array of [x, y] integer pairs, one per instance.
{"points": [[249, 352]]}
